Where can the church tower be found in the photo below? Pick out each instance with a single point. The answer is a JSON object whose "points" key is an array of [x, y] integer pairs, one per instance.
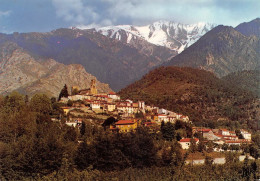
{"points": [[93, 88]]}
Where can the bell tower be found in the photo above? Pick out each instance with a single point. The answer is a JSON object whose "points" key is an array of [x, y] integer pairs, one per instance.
{"points": [[93, 88]]}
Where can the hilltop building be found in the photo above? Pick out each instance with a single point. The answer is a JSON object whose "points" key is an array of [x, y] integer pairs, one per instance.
{"points": [[89, 91], [93, 87], [124, 125]]}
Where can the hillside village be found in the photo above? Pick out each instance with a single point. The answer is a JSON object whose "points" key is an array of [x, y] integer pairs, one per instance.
{"points": [[129, 115], [223, 137]]}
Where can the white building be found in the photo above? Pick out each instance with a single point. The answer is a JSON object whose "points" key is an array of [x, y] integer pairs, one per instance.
{"points": [[186, 142], [95, 105], [141, 104], [130, 101], [245, 134], [78, 97], [162, 117], [113, 96], [223, 132], [162, 111], [171, 119]]}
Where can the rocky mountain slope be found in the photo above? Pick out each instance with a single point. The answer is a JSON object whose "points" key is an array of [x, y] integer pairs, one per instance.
{"points": [[251, 28], [20, 71], [222, 50], [197, 93], [111, 61], [175, 36]]}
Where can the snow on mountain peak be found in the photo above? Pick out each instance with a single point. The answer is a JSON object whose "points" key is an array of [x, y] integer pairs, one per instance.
{"points": [[170, 34]]}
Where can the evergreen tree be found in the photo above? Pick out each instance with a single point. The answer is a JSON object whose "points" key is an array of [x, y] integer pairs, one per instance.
{"points": [[210, 147], [53, 100], [193, 146], [254, 151], [201, 146], [168, 131], [70, 103], [246, 169], [26, 99], [108, 122], [208, 160], [41, 104], [64, 92], [83, 128], [85, 155], [238, 133]]}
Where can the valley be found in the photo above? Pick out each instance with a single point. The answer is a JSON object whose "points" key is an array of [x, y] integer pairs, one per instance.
{"points": [[161, 101]]}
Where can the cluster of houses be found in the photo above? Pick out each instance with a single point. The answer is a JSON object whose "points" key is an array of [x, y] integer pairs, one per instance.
{"points": [[218, 136], [126, 111]]}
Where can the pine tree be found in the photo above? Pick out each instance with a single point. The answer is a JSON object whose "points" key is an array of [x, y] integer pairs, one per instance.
{"points": [[83, 128], [168, 131], [64, 92]]}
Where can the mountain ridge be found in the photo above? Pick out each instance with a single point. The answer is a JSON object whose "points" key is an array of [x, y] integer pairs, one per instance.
{"points": [[107, 59], [251, 28], [222, 50], [170, 34], [20, 71]]}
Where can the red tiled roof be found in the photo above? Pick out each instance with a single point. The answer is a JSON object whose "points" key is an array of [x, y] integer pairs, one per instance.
{"points": [[65, 107], [112, 93], [148, 123], [87, 100], [188, 139], [223, 129], [120, 122]]}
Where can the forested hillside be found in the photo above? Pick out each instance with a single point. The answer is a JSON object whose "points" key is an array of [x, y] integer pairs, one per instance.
{"points": [[248, 79], [197, 93], [34, 147]]}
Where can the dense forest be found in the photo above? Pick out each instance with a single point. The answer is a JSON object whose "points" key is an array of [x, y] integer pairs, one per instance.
{"points": [[247, 79], [206, 99], [35, 147]]}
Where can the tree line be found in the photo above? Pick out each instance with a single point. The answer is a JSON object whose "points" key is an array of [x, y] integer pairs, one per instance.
{"points": [[35, 147]]}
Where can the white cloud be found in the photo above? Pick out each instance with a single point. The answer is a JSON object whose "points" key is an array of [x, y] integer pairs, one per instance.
{"points": [[75, 11], [107, 12], [69, 10], [3, 28], [5, 13]]}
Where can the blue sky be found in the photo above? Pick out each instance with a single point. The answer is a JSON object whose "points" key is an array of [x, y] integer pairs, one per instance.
{"points": [[46, 15]]}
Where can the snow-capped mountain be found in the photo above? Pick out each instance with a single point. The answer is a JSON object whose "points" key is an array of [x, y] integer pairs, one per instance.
{"points": [[175, 36]]}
